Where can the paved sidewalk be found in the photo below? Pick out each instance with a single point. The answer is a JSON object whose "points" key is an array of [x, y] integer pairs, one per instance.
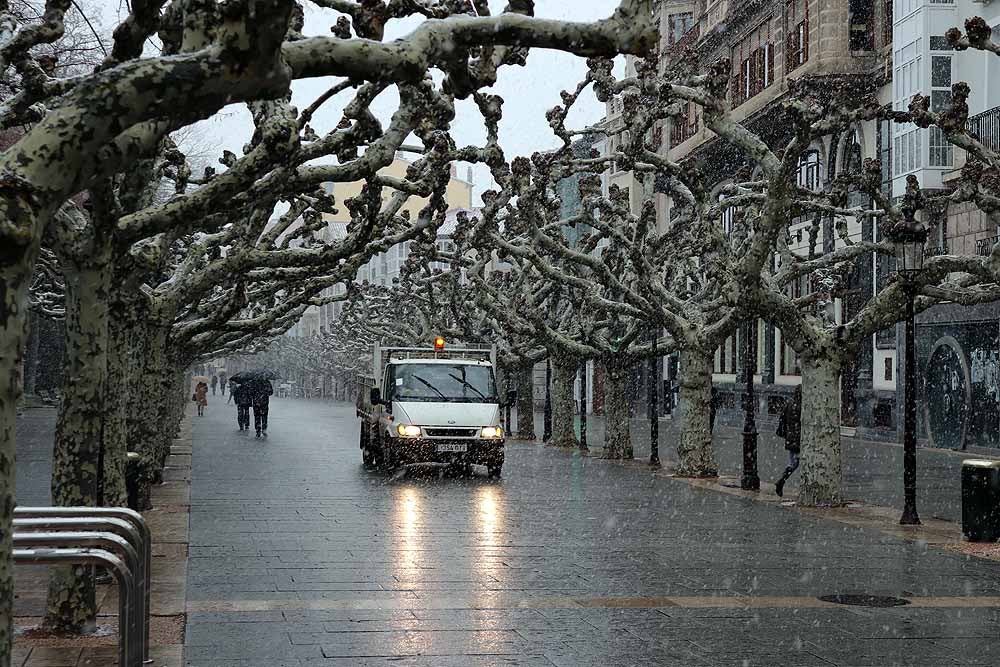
{"points": [[301, 558], [873, 471], [168, 522]]}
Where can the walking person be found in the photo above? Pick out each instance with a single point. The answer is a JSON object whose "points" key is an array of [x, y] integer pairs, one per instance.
{"points": [[222, 382], [241, 395], [215, 383], [261, 391], [201, 397], [790, 428]]}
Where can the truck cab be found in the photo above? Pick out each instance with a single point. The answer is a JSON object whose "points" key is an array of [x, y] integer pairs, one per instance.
{"points": [[431, 405]]}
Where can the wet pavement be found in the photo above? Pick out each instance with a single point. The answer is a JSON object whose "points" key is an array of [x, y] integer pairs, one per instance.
{"points": [[300, 557]]}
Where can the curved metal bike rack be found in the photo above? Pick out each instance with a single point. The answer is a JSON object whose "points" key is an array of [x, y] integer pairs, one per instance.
{"points": [[104, 542], [134, 520], [124, 576]]}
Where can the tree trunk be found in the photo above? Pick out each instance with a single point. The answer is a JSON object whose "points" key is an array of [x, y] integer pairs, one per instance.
{"points": [[617, 437], [822, 465], [524, 375], [563, 403], [697, 458], [76, 457], [14, 279], [115, 441]]}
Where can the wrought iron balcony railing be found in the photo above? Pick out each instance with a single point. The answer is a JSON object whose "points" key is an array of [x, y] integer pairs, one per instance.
{"points": [[987, 126]]}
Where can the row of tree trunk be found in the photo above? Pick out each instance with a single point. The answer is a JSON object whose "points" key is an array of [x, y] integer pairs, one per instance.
{"points": [[821, 452]]}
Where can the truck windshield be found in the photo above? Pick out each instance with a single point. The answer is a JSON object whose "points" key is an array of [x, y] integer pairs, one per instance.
{"points": [[460, 383]]}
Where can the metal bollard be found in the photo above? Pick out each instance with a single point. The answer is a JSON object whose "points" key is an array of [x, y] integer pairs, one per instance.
{"points": [[106, 542], [124, 577], [122, 514]]}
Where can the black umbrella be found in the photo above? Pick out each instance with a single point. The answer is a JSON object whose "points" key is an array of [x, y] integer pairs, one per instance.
{"points": [[253, 376]]}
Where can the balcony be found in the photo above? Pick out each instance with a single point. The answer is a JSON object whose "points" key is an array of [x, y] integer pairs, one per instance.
{"points": [[987, 126], [985, 246]]}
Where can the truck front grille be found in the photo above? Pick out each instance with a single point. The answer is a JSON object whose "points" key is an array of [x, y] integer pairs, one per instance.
{"points": [[451, 432]]}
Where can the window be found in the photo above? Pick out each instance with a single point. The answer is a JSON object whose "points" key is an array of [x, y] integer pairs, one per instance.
{"points": [[905, 8], [809, 176], [941, 151], [725, 357], [907, 141], [797, 33], [753, 64], [862, 36], [678, 25], [685, 127]]}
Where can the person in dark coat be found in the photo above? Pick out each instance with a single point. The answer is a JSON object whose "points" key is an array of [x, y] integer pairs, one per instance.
{"points": [[711, 409], [215, 383], [241, 395], [260, 392], [790, 428]]}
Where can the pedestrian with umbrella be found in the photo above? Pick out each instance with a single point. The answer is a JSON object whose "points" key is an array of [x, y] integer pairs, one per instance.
{"points": [[240, 393], [200, 396], [259, 385]]}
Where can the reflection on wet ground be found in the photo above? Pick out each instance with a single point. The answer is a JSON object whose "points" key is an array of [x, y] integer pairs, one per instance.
{"points": [[300, 557]]}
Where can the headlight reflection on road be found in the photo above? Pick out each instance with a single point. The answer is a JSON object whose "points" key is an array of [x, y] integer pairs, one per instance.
{"points": [[490, 516], [408, 521]]}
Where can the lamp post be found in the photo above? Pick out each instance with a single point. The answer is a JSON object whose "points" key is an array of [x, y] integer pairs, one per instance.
{"points": [[653, 408], [908, 243], [750, 480]]}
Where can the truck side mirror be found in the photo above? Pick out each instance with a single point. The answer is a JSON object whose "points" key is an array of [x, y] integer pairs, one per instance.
{"points": [[376, 396]]}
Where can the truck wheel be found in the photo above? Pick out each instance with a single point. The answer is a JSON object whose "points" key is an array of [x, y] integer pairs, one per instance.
{"points": [[494, 471]]}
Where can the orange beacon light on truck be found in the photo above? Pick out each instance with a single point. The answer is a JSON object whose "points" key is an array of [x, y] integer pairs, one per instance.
{"points": [[439, 343]]}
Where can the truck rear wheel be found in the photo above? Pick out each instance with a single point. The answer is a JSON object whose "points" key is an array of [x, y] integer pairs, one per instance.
{"points": [[494, 471]]}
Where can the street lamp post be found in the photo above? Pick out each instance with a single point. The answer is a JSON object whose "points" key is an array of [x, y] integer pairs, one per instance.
{"points": [[750, 480], [653, 408], [908, 243]]}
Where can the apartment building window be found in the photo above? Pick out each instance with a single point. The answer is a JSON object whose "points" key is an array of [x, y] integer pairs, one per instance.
{"points": [[797, 32], [684, 127], [907, 142], [753, 63], [725, 357], [809, 175], [862, 36], [678, 25], [941, 151], [905, 8]]}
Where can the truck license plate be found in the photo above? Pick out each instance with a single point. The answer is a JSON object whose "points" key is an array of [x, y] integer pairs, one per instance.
{"points": [[451, 448]]}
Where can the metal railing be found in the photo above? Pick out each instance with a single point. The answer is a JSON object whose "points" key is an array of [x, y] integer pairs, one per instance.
{"points": [[987, 126], [985, 246], [88, 529]]}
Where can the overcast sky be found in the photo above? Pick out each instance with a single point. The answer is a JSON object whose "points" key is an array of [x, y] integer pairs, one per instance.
{"points": [[528, 91]]}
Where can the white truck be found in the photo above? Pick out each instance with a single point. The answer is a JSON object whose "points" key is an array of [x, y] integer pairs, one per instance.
{"points": [[431, 405]]}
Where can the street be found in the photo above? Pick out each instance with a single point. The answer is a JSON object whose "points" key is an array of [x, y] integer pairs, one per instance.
{"points": [[299, 556]]}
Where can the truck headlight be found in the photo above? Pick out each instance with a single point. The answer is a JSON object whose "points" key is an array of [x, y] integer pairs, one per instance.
{"points": [[492, 432], [408, 431]]}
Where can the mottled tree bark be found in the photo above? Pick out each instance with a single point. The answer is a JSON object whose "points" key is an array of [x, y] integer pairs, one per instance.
{"points": [[694, 449], [617, 432], [76, 456], [563, 403], [14, 279], [524, 375], [115, 441], [822, 465]]}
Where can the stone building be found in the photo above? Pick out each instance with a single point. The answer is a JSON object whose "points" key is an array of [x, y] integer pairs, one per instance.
{"points": [[894, 50]]}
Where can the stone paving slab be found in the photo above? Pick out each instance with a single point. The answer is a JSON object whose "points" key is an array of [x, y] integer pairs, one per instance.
{"points": [[300, 557]]}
